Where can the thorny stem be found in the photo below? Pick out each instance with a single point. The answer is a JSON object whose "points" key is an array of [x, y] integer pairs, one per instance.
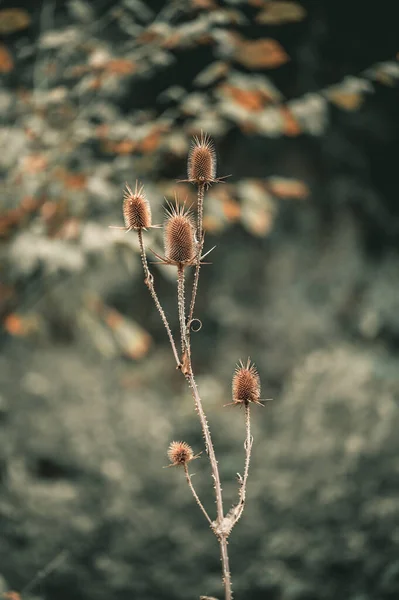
{"points": [[194, 493], [182, 308], [248, 447], [226, 568], [216, 526], [200, 245], [149, 281]]}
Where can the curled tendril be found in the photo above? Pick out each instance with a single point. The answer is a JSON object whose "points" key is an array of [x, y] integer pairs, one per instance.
{"points": [[197, 328]]}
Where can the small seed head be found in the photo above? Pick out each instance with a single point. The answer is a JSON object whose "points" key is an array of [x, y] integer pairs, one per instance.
{"points": [[179, 237], [136, 208], [180, 453], [201, 167], [246, 384]]}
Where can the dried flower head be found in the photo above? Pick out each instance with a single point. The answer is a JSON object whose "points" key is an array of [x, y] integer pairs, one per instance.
{"points": [[202, 160], [246, 384], [179, 237], [136, 208], [180, 453]]}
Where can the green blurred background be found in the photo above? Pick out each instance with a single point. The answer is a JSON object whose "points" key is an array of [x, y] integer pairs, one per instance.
{"points": [[301, 99]]}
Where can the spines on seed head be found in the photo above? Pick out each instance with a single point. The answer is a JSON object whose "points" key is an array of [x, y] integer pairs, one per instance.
{"points": [[246, 384], [180, 453], [201, 166], [179, 240], [136, 208]]}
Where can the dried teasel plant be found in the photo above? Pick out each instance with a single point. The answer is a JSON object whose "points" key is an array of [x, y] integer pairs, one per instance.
{"points": [[183, 246]]}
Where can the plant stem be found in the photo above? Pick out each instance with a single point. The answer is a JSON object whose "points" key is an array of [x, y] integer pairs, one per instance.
{"points": [[182, 308], [200, 245], [248, 447], [222, 537], [194, 493], [225, 567], [149, 281]]}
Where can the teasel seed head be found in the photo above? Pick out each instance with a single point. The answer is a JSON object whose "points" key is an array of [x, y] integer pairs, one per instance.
{"points": [[180, 453], [246, 384], [179, 236], [201, 168], [136, 208]]}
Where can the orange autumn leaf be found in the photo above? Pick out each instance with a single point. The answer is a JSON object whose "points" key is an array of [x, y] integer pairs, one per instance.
{"points": [[113, 318], [231, 209], [120, 66], [252, 100], [259, 54], [6, 61], [151, 141], [34, 163], [122, 147], [12, 596], [18, 325], [207, 4], [276, 13], [288, 188], [346, 100], [291, 126], [13, 19], [72, 181]]}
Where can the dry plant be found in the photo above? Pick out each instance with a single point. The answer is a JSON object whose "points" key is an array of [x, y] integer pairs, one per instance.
{"points": [[183, 248]]}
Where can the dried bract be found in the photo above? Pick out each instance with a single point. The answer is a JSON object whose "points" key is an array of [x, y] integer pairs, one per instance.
{"points": [[180, 453], [246, 384]]}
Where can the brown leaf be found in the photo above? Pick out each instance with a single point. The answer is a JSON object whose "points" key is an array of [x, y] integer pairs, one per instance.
{"points": [[151, 141], [259, 54], [252, 100], [276, 13], [34, 163], [13, 19], [291, 126], [288, 188], [122, 147], [346, 100], [207, 4], [120, 66], [21, 326], [6, 60]]}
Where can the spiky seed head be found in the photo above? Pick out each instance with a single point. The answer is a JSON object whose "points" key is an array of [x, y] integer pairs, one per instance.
{"points": [[201, 166], [180, 453], [136, 208], [246, 384], [179, 234]]}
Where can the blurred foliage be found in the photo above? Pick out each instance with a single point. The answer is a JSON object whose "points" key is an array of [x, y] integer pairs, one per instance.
{"points": [[301, 99]]}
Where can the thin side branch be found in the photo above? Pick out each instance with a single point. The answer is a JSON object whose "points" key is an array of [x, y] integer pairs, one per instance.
{"points": [[149, 281], [182, 308], [200, 246], [208, 445], [194, 493]]}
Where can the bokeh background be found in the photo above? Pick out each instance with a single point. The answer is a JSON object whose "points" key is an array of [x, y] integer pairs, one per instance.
{"points": [[301, 98]]}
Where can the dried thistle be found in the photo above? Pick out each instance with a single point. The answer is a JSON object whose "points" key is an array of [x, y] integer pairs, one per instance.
{"points": [[246, 384], [201, 164], [201, 167], [136, 209], [179, 237], [180, 453]]}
